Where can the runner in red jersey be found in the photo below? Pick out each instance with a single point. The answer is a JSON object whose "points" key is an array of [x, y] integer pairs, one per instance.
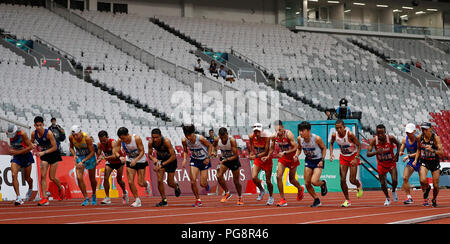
{"points": [[105, 151], [386, 160], [350, 147], [286, 159], [259, 148]]}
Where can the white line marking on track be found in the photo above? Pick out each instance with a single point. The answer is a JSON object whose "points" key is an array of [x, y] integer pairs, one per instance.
{"points": [[369, 215], [422, 219]]}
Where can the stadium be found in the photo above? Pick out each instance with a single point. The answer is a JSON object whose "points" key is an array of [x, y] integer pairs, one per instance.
{"points": [[238, 70]]}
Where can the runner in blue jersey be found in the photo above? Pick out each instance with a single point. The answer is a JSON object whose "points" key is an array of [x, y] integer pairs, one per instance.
{"points": [[50, 156], [20, 148], [200, 162], [410, 143]]}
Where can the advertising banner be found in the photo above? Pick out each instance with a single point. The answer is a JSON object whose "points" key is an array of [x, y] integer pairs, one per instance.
{"points": [[330, 174], [6, 184], [67, 176], [182, 177]]}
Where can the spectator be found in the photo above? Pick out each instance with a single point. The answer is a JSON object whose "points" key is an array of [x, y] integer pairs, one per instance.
{"points": [[213, 68], [211, 136], [343, 111], [331, 114], [222, 72], [198, 67], [418, 65], [229, 77], [58, 132]]}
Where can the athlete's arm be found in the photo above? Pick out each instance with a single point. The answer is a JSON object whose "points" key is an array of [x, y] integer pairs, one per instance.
{"points": [[99, 151], [141, 149], [419, 144], [52, 139], [271, 148], [215, 145], [355, 140], [251, 149], [299, 148], [173, 156], [113, 155], [272, 145], [185, 151], [291, 139], [402, 147], [72, 148], [116, 148], [397, 144], [322, 146], [266, 149], [150, 151], [90, 145], [333, 139], [206, 143], [369, 150], [438, 144], [32, 137]]}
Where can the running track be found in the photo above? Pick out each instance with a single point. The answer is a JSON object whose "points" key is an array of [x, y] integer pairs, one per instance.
{"points": [[368, 209]]}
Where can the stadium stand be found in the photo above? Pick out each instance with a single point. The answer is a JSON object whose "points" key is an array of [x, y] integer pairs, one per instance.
{"points": [[321, 67]]}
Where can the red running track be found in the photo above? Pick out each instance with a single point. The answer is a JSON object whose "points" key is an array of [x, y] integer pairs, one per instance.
{"points": [[367, 210]]}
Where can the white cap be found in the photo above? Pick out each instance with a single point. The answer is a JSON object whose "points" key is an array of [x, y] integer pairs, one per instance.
{"points": [[410, 128], [12, 130], [257, 126], [75, 129]]}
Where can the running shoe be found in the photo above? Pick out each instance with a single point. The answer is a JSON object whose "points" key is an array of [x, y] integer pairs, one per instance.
{"points": [[207, 188], [282, 203], [270, 201], [261, 195], [163, 203], [177, 191], [106, 201], [85, 202], [300, 194], [94, 200], [198, 203], [359, 193], [426, 202], [137, 203], [434, 203], [387, 202], [226, 197], [408, 201], [18, 202], [316, 203], [240, 201], [324, 188], [43, 202], [346, 204], [125, 198]]}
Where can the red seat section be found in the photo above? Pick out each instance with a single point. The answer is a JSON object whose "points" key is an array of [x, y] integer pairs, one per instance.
{"points": [[442, 129]]}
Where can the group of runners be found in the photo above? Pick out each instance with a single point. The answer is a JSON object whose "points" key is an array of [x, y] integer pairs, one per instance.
{"points": [[423, 152]]}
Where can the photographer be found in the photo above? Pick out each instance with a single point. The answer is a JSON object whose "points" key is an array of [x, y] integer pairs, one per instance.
{"points": [[58, 132], [343, 111]]}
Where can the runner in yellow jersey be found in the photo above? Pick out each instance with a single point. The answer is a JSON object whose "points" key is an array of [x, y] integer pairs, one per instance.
{"points": [[82, 147]]}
